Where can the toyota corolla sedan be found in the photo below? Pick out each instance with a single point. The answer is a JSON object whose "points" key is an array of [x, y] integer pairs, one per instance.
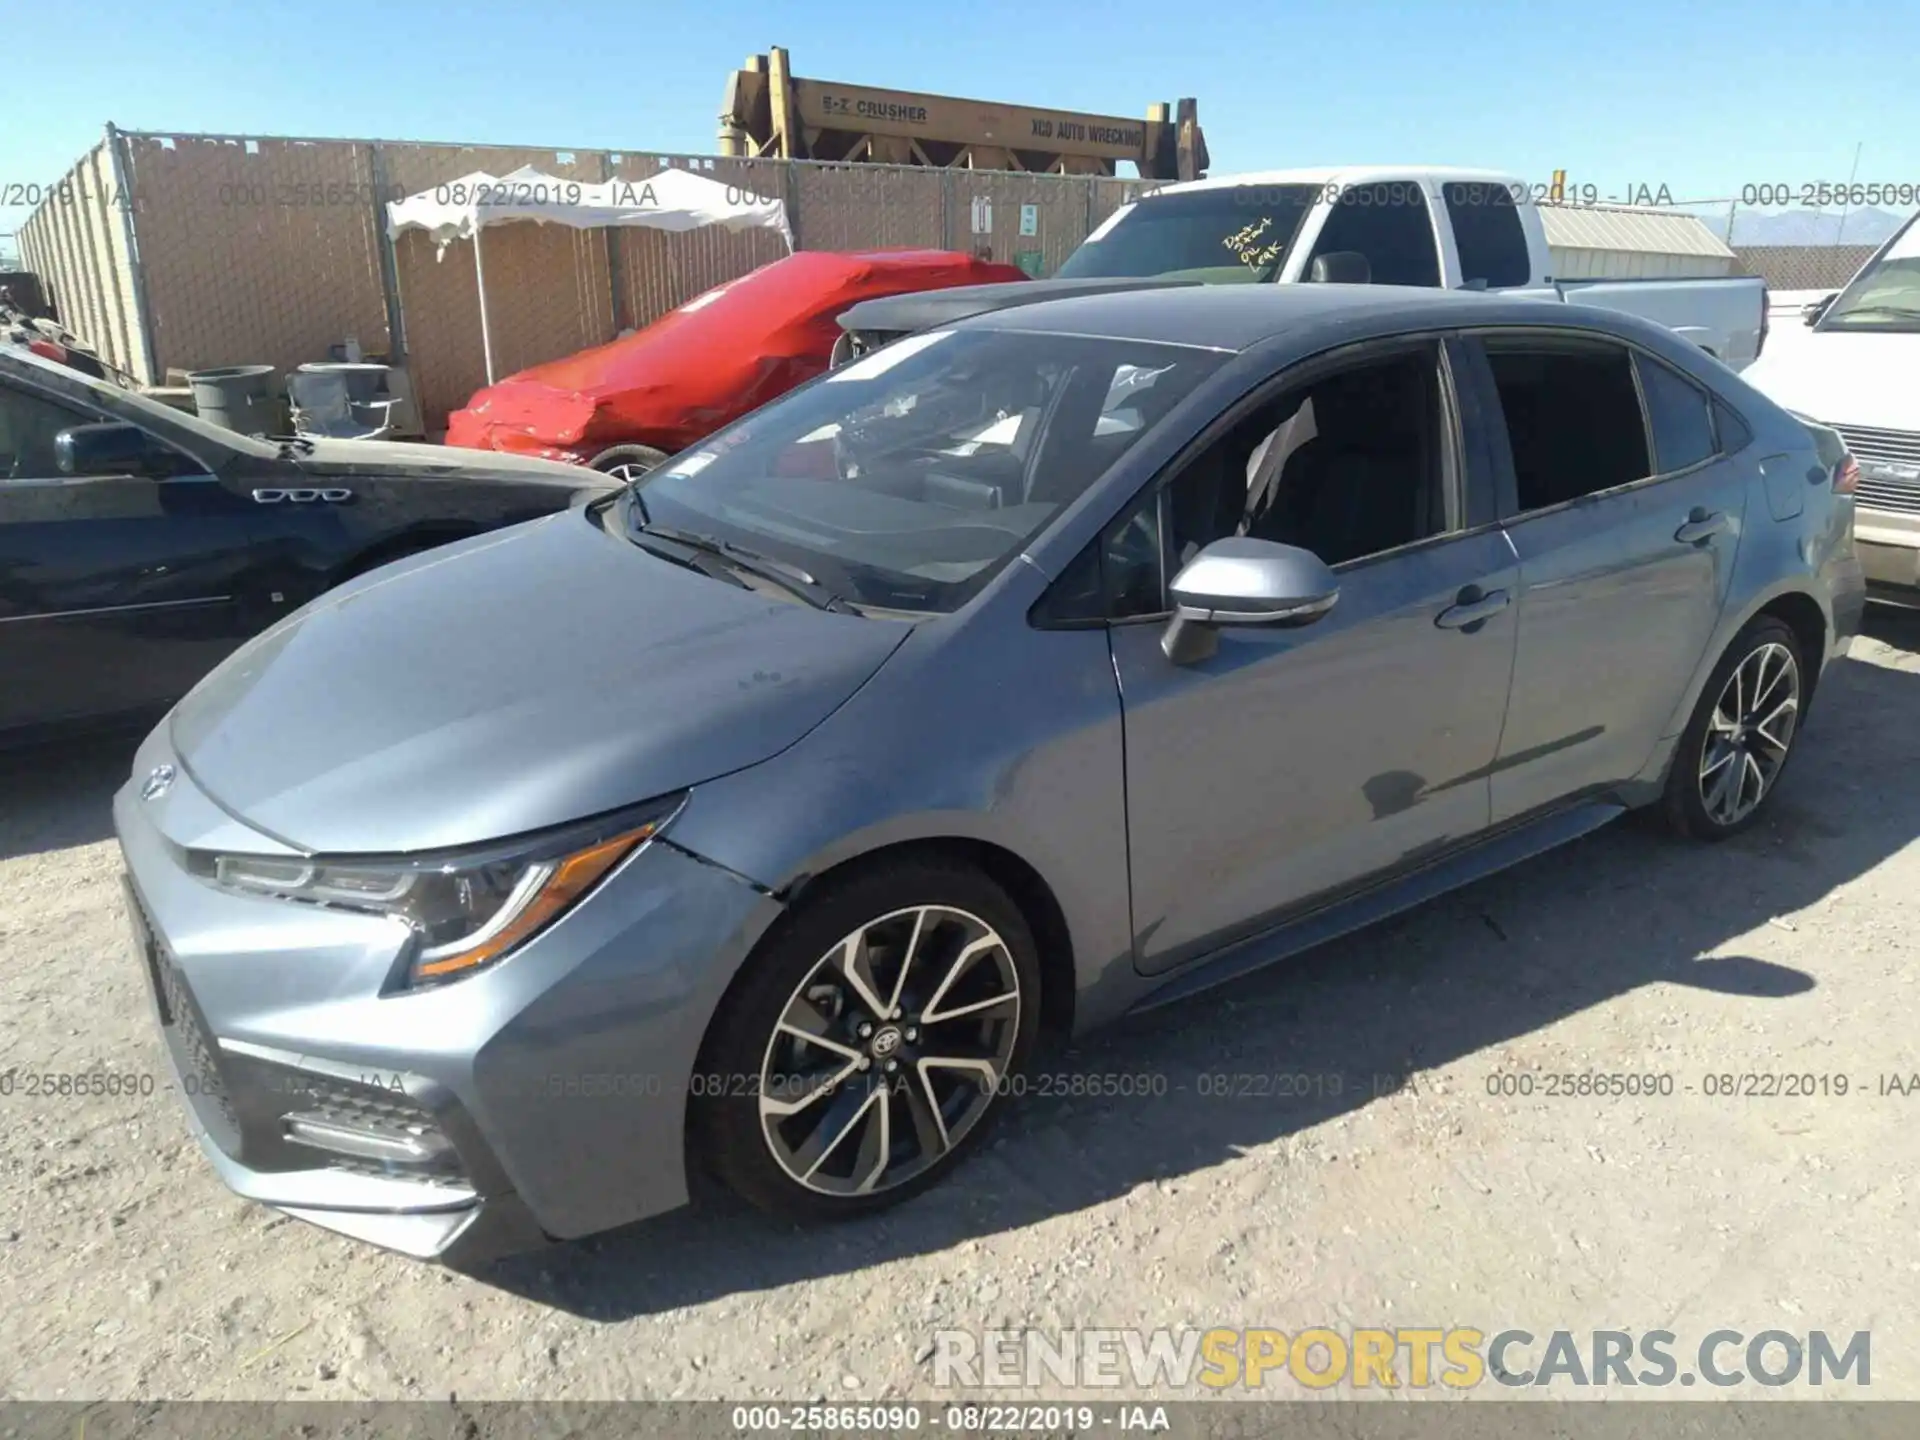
{"points": [[759, 818]]}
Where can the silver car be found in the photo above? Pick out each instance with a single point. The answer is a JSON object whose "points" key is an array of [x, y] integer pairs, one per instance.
{"points": [[1020, 674]]}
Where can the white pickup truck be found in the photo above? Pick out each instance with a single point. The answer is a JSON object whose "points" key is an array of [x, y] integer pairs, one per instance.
{"points": [[1385, 225], [1855, 367]]}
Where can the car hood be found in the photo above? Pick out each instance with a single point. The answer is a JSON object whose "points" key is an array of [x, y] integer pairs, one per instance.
{"points": [[518, 680], [400, 457], [1842, 378]]}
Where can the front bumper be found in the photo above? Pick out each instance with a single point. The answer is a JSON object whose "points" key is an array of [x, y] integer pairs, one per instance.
{"points": [[544, 1098], [1889, 546]]}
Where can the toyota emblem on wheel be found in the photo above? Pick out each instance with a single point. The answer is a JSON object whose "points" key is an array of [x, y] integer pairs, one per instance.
{"points": [[158, 783]]}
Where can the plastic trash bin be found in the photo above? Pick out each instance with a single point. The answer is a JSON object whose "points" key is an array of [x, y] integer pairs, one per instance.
{"points": [[239, 397]]}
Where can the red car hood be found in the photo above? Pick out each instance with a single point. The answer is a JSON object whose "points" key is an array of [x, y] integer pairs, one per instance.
{"points": [[715, 358]]}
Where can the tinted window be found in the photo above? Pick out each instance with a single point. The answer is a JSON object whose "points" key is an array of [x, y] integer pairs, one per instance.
{"points": [[1730, 430], [1229, 233], [908, 478], [1388, 223], [28, 425], [1681, 417], [1572, 419], [1486, 231], [1346, 466]]}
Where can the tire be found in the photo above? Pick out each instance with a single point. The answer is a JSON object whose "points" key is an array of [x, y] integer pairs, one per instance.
{"points": [[1731, 727], [630, 459], [765, 1101]]}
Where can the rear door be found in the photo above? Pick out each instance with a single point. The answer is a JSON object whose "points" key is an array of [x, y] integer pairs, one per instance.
{"points": [[1625, 518], [1294, 763], [117, 592]]}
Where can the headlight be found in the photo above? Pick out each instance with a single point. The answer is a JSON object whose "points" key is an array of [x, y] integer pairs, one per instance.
{"points": [[467, 909]]}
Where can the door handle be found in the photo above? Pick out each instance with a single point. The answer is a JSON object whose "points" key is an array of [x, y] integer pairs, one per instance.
{"points": [[1701, 525], [1472, 606]]}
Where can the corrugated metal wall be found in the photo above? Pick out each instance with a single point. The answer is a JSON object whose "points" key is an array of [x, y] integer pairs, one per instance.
{"points": [[255, 250]]}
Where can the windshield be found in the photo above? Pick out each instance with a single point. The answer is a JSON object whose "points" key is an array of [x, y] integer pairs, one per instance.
{"points": [[1220, 235], [1886, 294], [906, 480]]}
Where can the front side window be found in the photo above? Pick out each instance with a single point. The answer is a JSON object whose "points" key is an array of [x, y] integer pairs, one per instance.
{"points": [[28, 425], [1390, 224], [1572, 418], [1348, 465], [906, 480], [1886, 295], [1222, 235]]}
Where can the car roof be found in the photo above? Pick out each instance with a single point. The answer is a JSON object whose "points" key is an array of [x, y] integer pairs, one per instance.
{"points": [[1238, 317], [1343, 175]]}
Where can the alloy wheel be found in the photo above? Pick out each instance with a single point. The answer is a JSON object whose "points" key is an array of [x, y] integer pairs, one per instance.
{"points": [[890, 1049], [1749, 733]]}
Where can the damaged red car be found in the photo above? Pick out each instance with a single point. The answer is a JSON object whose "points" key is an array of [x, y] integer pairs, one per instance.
{"points": [[625, 406]]}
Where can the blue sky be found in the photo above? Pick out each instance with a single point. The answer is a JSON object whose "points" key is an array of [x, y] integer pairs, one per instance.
{"points": [[1702, 97]]}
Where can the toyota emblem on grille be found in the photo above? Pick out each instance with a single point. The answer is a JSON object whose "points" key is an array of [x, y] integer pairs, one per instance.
{"points": [[158, 783]]}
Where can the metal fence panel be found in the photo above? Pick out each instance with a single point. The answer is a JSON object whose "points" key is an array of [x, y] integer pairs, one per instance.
{"points": [[870, 207], [254, 251]]}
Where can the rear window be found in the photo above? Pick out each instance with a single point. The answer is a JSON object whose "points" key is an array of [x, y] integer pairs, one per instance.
{"points": [[1572, 417], [1681, 416], [1487, 232]]}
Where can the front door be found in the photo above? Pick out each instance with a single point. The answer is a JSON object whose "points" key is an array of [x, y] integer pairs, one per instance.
{"points": [[117, 592], [1295, 763]]}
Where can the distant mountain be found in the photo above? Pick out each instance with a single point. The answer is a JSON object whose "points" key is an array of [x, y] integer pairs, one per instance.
{"points": [[1865, 226]]}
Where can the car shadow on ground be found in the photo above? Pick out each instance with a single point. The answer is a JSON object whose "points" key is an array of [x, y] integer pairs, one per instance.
{"points": [[1620, 910], [58, 795]]}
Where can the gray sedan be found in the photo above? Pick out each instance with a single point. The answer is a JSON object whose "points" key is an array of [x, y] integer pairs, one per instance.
{"points": [[1020, 674]]}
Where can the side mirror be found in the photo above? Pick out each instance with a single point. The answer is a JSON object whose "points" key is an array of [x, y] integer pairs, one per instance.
{"points": [[1239, 581], [1813, 313], [1340, 267], [109, 448]]}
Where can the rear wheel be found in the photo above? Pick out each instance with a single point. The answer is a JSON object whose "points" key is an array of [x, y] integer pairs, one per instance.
{"points": [[627, 462], [1735, 747], [867, 1048]]}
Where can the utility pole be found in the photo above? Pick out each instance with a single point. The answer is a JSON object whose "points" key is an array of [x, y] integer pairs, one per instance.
{"points": [[1846, 203]]}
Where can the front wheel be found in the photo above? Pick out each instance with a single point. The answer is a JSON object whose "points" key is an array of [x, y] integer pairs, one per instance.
{"points": [[869, 1045], [1733, 750]]}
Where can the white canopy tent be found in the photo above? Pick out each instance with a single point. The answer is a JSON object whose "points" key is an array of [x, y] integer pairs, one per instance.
{"points": [[674, 200]]}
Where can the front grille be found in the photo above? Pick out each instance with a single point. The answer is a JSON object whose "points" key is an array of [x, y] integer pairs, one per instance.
{"points": [[373, 1108], [365, 1107], [1896, 447], [1897, 451], [198, 1051]]}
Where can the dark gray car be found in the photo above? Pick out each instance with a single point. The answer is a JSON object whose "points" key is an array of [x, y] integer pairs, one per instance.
{"points": [[1015, 676]]}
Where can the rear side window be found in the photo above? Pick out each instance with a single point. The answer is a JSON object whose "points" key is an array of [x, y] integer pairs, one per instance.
{"points": [[1487, 233], [1572, 418], [1681, 417], [1730, 430], [1390, 224]]}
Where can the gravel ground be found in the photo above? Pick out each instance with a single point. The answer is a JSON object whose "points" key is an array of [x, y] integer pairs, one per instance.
{"points": [[131, 1273]]}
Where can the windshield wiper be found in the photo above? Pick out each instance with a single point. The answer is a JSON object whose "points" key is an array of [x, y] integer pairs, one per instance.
{"points": [[789, 577], [292, 445]]}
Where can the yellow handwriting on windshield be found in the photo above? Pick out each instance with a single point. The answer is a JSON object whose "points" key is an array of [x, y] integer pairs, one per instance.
{"points": [[1243, 244]]}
